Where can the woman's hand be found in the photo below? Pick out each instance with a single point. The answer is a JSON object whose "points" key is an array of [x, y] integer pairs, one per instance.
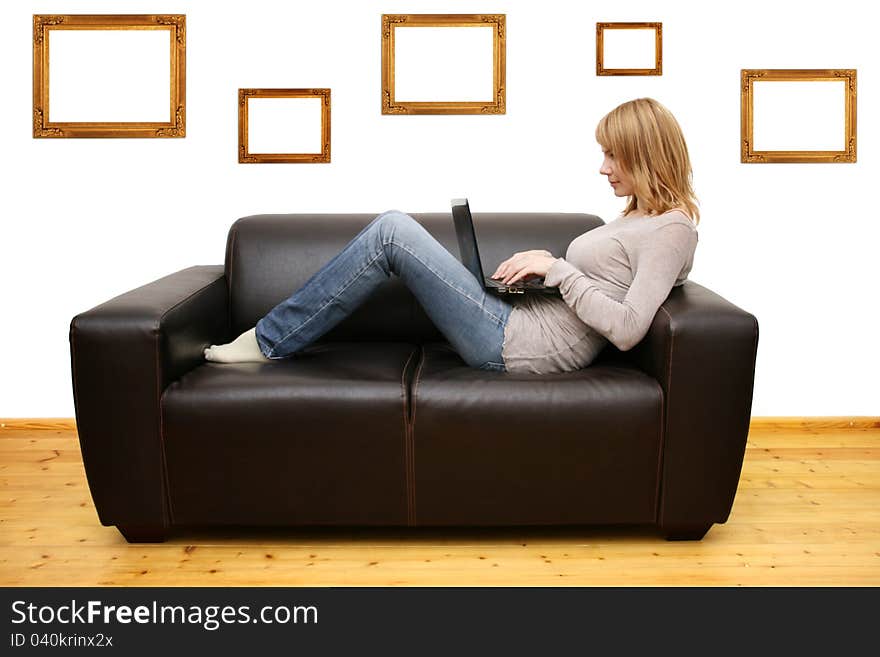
{"points": [[524, 264]]}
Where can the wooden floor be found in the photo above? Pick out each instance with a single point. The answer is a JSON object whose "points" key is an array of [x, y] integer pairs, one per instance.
{"points": [[807, 512]]}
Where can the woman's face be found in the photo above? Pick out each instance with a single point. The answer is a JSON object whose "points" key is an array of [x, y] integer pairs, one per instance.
{"points": [[619, 180]]}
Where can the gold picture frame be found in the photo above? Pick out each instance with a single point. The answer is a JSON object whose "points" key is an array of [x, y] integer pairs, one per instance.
{"points": [[749, 155], [600, 49], [174, 127], [495, 105], [246, 157]]}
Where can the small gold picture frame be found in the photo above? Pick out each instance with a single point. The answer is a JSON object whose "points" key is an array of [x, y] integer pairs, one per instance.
{"points": [[455, 56], [274, 134], [794, 113], [112, 75], [631, 33]]}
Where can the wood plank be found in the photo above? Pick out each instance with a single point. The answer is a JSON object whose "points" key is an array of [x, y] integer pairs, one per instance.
{"points": [[452, 574], [809, 466], [16, 450], [26, 425], [243, 558], [820, 481], [815, 423], [30, 468], [429, 566], [818, 453], [814, 438], [39, 455], [815, 498]]}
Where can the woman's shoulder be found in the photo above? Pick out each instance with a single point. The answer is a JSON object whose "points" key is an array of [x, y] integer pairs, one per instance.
{"points": [[652, 222], [677, 216], [679, 212], [673, 227]]}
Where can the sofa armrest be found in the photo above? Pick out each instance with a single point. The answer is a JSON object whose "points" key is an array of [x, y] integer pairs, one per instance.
{"points": [[124, 353], [702, 350]]}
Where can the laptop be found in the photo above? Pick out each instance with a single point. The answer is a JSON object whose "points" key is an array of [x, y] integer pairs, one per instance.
{"points": [[470, 257]]}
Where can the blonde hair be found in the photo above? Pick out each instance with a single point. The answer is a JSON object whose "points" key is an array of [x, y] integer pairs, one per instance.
{"points": [[649, 147]]}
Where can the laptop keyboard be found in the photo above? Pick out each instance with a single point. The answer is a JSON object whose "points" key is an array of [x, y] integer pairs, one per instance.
{"points": [[516, 287]]}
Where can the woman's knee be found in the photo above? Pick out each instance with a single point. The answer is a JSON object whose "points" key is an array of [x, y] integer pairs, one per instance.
{"points": [[393, 221], [396, 215]]}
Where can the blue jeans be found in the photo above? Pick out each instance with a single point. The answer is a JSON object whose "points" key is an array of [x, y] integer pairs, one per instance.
{"points": [[471, 320]]}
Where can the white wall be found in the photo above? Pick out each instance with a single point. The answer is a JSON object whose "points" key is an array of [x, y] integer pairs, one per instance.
{"points": [[84, 220]]}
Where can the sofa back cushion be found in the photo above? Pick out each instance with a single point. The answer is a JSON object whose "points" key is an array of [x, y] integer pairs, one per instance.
{"points": [[270, 256]]}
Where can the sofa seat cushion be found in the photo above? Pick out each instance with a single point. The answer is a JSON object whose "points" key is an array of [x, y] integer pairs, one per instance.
{"points": [[494, 448], [315, 439]]}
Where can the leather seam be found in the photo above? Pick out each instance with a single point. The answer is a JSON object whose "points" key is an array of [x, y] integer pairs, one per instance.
{"points": [[79, 426], [664, 420], [165, 463], [229, 282], [412, 462], [407, 427], [167, 496]]}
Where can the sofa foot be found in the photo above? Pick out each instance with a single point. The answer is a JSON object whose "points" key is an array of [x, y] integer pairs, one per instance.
{"points": [[143, 533], [686, 532]]}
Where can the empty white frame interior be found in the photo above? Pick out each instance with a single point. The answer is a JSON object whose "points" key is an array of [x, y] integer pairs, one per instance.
{"points": [[627, 48], [115, 75], [443, 64], [795, 115], [284, 125]]}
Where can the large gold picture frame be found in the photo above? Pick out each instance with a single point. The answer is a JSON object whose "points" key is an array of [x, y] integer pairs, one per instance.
{"points": [[749, 76], [174, 127], [495, 105], [600, 49], [246, 157]]}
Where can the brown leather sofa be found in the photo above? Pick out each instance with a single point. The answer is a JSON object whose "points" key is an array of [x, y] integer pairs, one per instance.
{"points": [[380, 422]]}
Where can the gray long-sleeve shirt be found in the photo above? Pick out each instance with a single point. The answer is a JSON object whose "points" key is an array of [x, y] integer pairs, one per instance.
{"points": [[613, 279]]}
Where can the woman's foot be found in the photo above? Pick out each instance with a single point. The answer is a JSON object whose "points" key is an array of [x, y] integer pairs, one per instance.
{"points": [[244, 349]]}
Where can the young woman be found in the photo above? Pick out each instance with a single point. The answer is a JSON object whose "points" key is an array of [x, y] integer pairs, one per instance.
{"points": [[612, 279]]}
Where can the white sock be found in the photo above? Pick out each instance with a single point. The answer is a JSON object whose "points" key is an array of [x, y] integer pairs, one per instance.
{"points": [[244, 349]]}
